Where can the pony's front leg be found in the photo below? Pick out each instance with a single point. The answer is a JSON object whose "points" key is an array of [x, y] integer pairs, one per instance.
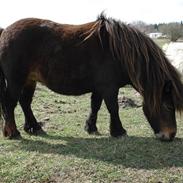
{"points": [[111, 101], [90, 126]]}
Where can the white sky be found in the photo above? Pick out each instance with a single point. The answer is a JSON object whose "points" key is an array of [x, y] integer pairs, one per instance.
{"points": [[81, 11]]}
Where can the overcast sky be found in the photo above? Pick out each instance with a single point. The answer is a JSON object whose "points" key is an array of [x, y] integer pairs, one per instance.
{"points": [[81, 11]]}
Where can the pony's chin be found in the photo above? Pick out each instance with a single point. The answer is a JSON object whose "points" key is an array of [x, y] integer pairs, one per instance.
{"points": [[163, 136]]}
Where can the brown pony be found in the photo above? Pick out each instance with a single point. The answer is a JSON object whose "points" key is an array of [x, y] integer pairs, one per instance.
{"points": [[98, 57]]}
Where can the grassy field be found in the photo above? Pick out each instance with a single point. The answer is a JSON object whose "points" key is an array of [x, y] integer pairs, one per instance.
{"points": [[161, 42], [68, 154]]}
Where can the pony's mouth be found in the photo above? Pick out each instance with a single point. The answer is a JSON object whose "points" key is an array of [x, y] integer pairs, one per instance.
{"points": [[165, 136]]}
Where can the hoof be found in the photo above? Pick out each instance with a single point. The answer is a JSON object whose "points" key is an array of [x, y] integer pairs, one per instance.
{"points": [[95, 133], [34, 129], [92, 130], [119, 134], [11, 133]]}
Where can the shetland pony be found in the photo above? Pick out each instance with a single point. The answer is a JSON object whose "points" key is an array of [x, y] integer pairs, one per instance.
{"points": [[98, 57]]}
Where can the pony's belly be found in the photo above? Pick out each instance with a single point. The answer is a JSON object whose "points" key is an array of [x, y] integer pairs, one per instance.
{"points": [[70, 87], [65, 84], [69, 91]]}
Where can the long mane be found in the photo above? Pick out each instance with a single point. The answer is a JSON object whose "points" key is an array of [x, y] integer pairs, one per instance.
{"points": [[146, 63]]}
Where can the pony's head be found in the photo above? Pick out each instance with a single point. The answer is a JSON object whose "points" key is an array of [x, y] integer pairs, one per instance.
{"points": [[162, 120], [162, 93]]}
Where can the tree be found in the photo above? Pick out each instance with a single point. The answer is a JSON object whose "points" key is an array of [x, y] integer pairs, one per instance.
{"points": [[140, 25], [173, 30], [143, 27], [156, 27]]}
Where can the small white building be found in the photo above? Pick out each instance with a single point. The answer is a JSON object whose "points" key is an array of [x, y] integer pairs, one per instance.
{"points": [[155, 35]]}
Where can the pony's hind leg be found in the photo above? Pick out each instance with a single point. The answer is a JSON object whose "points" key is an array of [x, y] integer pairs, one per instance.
{"points": [[31, 125], [8, 106], [111, 101], [90, 126]]}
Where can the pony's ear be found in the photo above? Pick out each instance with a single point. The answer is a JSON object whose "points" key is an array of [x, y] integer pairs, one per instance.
{"points": [[168, 86]]}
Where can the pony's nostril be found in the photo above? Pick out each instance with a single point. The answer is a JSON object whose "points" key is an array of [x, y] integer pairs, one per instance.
{"points": [[172, 135]]}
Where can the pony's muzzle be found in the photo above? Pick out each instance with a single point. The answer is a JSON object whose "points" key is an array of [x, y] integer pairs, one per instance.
{"points": [[166, 135]]}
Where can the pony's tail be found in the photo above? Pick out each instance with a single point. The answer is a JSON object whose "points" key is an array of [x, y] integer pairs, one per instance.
{"points": [[2, 86]]}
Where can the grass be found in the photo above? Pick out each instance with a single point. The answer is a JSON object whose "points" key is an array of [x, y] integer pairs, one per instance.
{"points": [[161, 42], [68, 154]]}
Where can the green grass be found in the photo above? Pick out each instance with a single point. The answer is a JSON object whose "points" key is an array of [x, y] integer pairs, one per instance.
{"points": [[68, 154], [161, 42]]}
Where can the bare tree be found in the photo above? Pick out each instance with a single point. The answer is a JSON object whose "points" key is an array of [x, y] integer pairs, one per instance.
{"points": [[140, 25], [146, 28], [173, 30]]}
